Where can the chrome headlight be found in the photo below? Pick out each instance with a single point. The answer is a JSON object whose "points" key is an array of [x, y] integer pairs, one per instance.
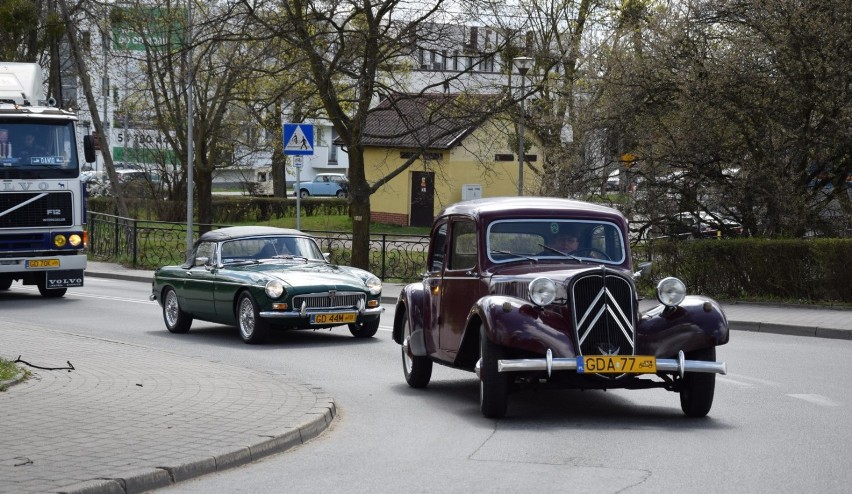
{"points": [[274, 288], [671, 291], [374, 285], [542, 291]]}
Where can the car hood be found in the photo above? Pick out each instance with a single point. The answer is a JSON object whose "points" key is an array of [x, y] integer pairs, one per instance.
{"points": [[558, 272], [310, 274]]}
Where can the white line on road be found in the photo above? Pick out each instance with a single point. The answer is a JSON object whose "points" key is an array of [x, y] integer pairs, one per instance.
{"points": [[815, 399], [89, 295]]}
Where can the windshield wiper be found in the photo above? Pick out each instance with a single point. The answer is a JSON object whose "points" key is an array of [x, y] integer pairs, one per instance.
{"points": [[571, 256], [533, 259]]}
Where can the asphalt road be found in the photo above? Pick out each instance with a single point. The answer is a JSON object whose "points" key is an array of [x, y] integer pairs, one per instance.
{"points": [[779, 423]]}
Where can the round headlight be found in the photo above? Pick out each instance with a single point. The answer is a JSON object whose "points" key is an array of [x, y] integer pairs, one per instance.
{"points": [[75, 240], [542, 291], [59, 240], [671, 291], [274, 288], [374, 285]]}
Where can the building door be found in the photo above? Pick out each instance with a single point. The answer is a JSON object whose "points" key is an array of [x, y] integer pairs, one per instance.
{"points": [[422, 198]]}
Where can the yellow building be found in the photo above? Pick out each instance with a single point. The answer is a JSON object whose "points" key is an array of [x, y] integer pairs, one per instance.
{"points": [[455, 153]]}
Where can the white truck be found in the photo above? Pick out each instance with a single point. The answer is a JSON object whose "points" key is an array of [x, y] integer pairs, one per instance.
{"points": [[42, 199]]}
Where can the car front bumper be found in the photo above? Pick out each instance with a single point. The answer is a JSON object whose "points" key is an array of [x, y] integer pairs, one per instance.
{"points": [[678, 366]]}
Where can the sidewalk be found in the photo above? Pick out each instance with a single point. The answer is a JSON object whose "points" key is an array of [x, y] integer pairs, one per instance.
{"points": [[763, 318]]}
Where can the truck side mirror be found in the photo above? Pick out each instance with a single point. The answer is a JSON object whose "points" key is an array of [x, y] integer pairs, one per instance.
{"points": [[89, 148]]}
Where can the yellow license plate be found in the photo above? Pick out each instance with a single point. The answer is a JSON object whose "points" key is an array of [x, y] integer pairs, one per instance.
{"points": [[617, 364], [43, 263], [335, 318]]}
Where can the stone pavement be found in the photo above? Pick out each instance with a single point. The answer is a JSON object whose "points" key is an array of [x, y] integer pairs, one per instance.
{"points": [[130, 418]]}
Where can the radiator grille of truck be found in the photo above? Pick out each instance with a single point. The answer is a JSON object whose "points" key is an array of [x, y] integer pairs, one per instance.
{"points": [[604, 313], [40, 209]]}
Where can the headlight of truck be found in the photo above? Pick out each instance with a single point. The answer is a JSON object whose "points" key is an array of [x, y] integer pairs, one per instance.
{"points": [[274, 289], [60, 241], [542, 291], [75, 240], [374, 285], [671, 291]]}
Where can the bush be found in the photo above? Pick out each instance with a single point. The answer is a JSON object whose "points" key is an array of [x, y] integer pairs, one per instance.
{"points": [[788, 269], [226, 209]]}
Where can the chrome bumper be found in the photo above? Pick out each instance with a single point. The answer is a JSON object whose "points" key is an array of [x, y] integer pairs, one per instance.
{"points": [[303, 315], [548, 363]]}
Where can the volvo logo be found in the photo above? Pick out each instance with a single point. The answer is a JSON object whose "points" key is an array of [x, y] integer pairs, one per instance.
{"points": [[26, 186]]}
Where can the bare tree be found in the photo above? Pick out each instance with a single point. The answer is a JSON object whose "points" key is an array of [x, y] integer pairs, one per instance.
{"points": [[353, 52]]}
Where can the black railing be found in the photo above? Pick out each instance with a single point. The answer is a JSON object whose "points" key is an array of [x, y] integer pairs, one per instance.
{"points": [[143, 244]]}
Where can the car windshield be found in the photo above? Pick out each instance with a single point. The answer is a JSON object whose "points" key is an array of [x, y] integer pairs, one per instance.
{"points": [[37, 149], [549, 239], [270, 247]]}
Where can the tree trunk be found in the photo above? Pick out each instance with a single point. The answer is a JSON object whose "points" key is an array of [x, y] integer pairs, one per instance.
{"points": [[359, 209]]}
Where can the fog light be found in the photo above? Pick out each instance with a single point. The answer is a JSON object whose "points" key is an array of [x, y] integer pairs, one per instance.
{"points": [[279, 306], [75, 240], [60, 241]]}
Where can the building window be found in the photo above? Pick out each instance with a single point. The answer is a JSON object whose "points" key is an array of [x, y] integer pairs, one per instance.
{"points": [[504, 157]]}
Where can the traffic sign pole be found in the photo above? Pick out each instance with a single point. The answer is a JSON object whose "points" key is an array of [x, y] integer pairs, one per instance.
{"points": [[297, 162]]}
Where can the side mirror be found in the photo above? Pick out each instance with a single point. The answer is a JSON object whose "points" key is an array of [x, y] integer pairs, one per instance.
{"points": [[89, 148], [201, 261], [644, 270], [326, 256]]}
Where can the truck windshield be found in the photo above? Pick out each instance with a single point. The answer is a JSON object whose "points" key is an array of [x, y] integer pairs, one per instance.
{"points": [[37, 149]]}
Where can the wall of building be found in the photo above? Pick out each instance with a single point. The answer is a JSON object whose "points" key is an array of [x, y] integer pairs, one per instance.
{"points": [[472, 162]]}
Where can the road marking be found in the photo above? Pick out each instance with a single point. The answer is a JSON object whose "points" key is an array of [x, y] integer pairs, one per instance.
{"points": [[728, 380], [815, 399], [89, 295], [754, 379]]}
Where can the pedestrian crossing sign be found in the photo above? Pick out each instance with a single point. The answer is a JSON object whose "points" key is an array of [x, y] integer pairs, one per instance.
{"points": [[298, 139]]}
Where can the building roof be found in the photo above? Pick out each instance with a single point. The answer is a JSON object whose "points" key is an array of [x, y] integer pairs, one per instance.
{"points": [[426, 121]]}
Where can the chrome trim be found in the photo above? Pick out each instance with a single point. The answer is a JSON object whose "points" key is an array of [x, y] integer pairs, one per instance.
{"points": [[299, 315], [679, 366]]}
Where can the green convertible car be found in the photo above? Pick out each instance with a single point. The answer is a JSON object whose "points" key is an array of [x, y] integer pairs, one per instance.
{"points": [[260, 278]]}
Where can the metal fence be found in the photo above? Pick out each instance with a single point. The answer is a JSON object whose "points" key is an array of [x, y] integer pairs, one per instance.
{"points": [[143, 244]]}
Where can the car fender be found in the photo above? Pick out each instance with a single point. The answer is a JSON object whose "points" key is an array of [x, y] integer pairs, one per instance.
{"points": [[697, 323], [412, 303], [517, 324]]}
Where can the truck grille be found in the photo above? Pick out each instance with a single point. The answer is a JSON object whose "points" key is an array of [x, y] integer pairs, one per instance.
{"points": [[604, 313], [40, 209], [329, 300]]}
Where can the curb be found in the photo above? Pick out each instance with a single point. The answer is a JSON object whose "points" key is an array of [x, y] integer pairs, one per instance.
{"points": [[786, 329], [163, 476]]}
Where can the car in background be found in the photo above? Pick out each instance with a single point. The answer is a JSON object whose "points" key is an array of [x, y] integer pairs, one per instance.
{"points": [[686, 225], [264, 278], [325, 184], [498, 299]]}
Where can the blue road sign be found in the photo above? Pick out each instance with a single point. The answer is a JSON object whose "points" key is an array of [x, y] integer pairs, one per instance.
{"points": [[298, 139]]}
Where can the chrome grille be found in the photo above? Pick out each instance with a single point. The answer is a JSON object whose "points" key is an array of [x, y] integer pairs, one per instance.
{"points": [[604, 313], [330, 300], [519, 289]]}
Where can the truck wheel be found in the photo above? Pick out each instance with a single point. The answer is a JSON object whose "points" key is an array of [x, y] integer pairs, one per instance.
{"points": [[177, 321], [493, 386], [253, 329], [697, 388], [364, 329], [417, 369], [5, 283], [50, 292]]}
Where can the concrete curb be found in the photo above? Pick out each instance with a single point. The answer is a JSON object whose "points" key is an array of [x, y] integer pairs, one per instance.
{"points": [[790, 330], [163, 476]]}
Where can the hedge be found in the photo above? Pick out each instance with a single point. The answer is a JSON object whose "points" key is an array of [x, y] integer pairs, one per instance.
{"points": [[815, 270], [225, 209]]}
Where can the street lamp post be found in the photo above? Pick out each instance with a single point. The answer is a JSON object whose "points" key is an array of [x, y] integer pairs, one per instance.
{"points": [[523, 65]]}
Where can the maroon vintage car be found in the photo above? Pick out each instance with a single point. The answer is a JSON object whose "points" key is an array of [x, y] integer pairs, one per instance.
{"points": [[542, 290]]}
